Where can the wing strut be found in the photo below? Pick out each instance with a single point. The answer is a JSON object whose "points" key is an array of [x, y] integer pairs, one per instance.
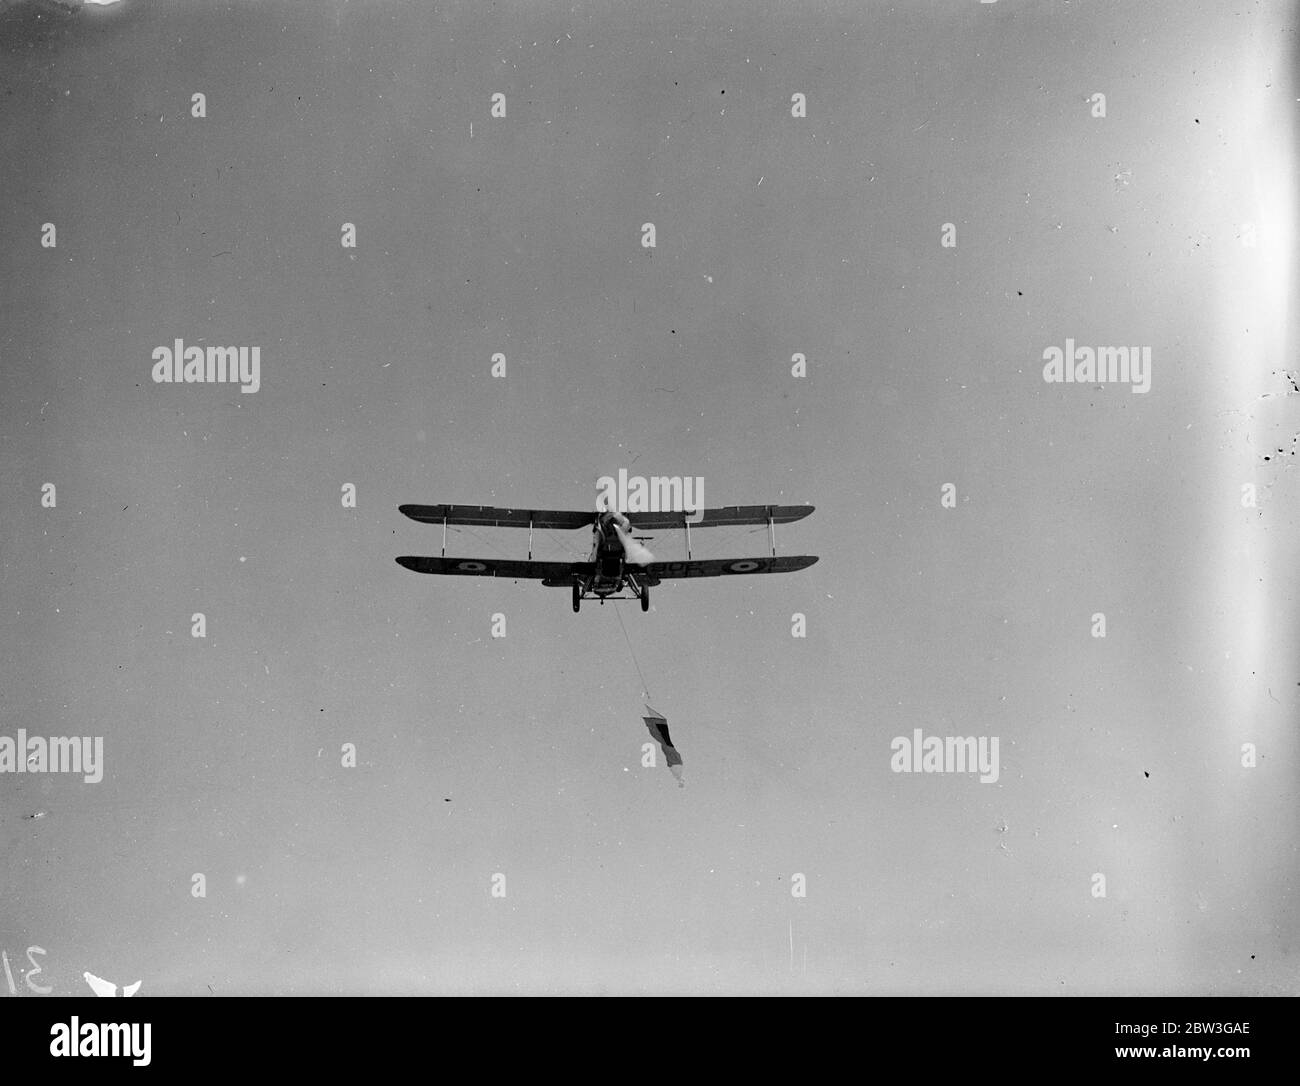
{"points": [[444, 535], [771, 531], [530, 537], [687, 521]]}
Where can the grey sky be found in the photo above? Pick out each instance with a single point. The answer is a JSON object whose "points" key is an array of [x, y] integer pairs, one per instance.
{"points": [[775, 235]]}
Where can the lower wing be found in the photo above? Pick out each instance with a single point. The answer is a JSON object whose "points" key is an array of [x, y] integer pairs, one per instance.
{"points": [[721, 567], [561, 573]]}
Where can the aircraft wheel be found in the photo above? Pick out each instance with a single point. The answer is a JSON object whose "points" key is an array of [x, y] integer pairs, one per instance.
{"points": [[645, 597], [577, 598]]}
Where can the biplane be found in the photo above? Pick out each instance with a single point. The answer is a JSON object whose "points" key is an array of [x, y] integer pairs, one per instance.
{"points": [[609, 571]]}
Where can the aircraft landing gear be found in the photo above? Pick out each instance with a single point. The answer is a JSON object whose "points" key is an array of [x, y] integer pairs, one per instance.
{"points": [[577, 598], [645, 597]]}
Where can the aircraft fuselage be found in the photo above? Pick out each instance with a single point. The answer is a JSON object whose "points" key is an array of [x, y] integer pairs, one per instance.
{"points": [[609, 558]]}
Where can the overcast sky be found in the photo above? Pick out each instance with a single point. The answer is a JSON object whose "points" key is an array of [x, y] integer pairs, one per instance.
{"points": [[1165, 223]]}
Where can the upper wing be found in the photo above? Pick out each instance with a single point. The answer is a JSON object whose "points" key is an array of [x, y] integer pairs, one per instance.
{"points": [[721, 567], [562, 573], [726, 515], [492, 517]]}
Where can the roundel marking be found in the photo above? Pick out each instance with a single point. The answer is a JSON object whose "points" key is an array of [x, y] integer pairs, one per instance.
{"points": [[743, 567], [471, 567]]}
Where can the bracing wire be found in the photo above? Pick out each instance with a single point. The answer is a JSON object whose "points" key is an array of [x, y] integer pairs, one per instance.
{"points": [[644, 687], [457, 531], [577, 554]]}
